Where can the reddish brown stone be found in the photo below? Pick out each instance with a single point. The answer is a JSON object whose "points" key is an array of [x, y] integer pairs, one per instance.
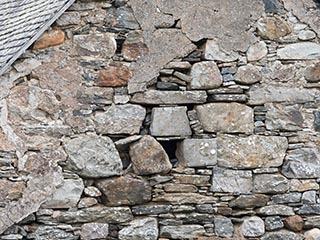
{"points": [[114, 76], [134, 47], [50, 38], [294, 223]]}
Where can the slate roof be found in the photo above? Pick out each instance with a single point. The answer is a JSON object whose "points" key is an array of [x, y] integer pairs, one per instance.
{"points": [[22, 22]]}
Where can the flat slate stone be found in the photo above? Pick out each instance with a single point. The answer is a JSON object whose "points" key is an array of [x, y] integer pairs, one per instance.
{"points": [[272, 210], [182, 232], [226, 117], [251, 152], [249, 201], [300, 51], [270, 183], [145, 228], [281, 235]]}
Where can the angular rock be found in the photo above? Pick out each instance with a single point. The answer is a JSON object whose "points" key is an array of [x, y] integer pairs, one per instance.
{"points": [[309, 209], [113, 76], [90, 231], [184, 198], [174, 187], [294, 223], [121, 18], [149, 157], [272, 210], [197, 152], [69, 18], [312, 234], [66, 196], [92, 191], [273, 223], [299, 51], [154, 97], [312, 72], [150, 209], [212, 51], [134, 47], [251, 152], [273, 6], [223, 226], [124, 190], [197, 180], [248, 74], [283, 117], [53, 233], [170, 121], [281, 235], [309, 197], [10, 191], [291, 197], [96, 95], [253, 227], [231, 181], [257, 51], [270, 183], [87, 202], [316, 121], [249, 201], [312, 222], [95, 45], [205, 75], [182, 232], [50, 38], [302, 163], [93, 156], [226, 117], [273, 28], [120, 119], [297, 185], [145, 228]]}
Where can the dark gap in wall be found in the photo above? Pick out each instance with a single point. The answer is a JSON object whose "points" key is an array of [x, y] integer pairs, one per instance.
{"points": [[170, 147]]}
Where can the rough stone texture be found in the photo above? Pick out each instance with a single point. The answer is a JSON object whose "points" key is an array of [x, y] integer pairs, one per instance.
{"points": [[93, 156], [257, 51], [52, 233], [114, 76], [248, 74], [231, 181], [273, 28], [251, 152], [273, 223], [270, 183], [197, 152], [312, 73], [148, 157], [170, 121], [205, 75], [312, 234], [223, 117], [223, 226], [281, 235], [134, 47], [10, 191], [249, 201], [272, 210], [120, 119], [212, 51], [50, 38], [145, 228], [299, 51], [253, 227], [294, 223], [124, 190], [90, 231], [184, 231], [184, 198]]}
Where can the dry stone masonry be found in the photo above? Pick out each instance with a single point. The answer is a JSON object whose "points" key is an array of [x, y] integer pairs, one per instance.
{"points": [[180, 119]]}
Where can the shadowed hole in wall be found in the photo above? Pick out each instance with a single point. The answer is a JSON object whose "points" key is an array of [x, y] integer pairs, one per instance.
{"points": [[170, 147]]}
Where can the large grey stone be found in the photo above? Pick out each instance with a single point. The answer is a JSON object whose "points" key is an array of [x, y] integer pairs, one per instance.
{"points": [[248, 74], [231, 181], [93, 156], [66, 196], [283, 117], [197, 152], [273, 28], [257, 51], [212, 51], [300, 51], [302, 163], [273, 223], [249, 201], [170, 121], [273, 210], [205, 75], [182, 231], [120, 119], [90, 231], [226, 117], [149, 157], [223, 226], [309, 209], [291, 197], [270, 183], [253, 227], [145, 228], [155, 97], [281, 235], [251, 152], [53, 233]]}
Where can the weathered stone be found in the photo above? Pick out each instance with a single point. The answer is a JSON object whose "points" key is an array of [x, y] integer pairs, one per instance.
{"points": [[294, 223], [93, 156], [50, 38], [309, 197], [312, 234], [226, 117], [170, 187], [307, 35], [300, 51], [120, 119], [302, 163], [53, 233], [273, 6], [184, 198], [291, 197], [69, 18], [270, 183], [312, 72], [182, 232], [312, 222], [223, 226], [96, 95], [124, 190], [281, 235], [121, 18], [66, 196], [283, 117], [150, 209], [251, 152], [257, 51], [273, 223], [249, 201], [272, 210], [231, 181], [113, 76], [297, 185], [248, 74], [273, 28], [87, 202], [154, 97], [212, 51], [170, 121], [253, 227], [10, 191], [96, 45], [145, 228], [92, 191], [205, 75], [197, 180], [134, 47], [90, 231], [309, 209], [149, 157], [316, 121], [197, 152]]}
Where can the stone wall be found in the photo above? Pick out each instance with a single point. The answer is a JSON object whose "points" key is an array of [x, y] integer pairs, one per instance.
{"points": [[187, 119]]}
